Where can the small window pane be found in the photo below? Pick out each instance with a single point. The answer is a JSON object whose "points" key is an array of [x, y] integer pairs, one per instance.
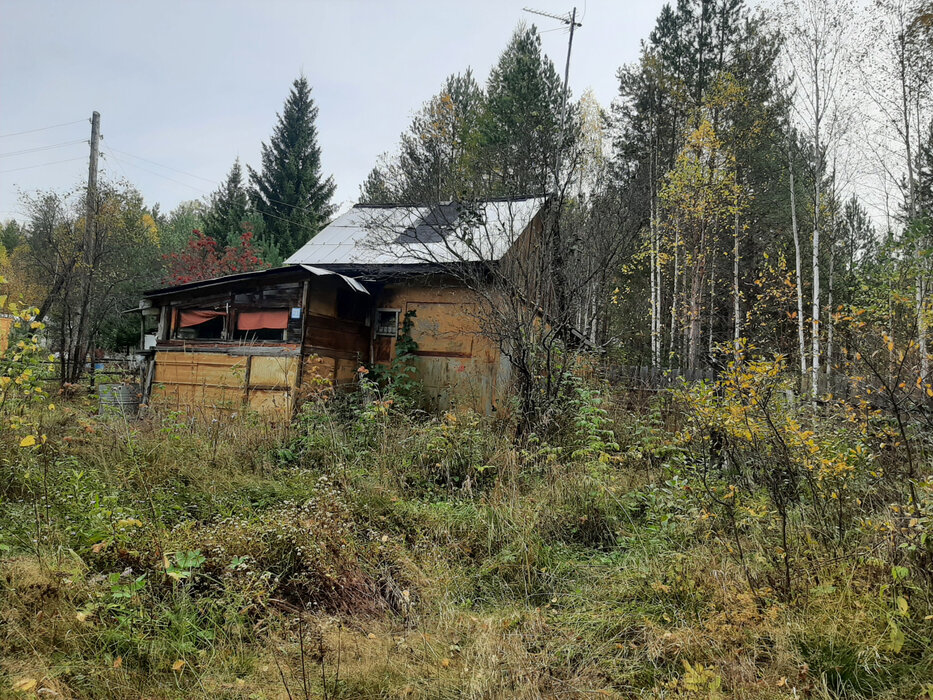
{"points": [[387, 322]]}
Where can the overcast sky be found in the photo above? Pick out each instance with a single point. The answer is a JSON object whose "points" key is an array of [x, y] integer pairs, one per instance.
{"points": [[193, 84]]}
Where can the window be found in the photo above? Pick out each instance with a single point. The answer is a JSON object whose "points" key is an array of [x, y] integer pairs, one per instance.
{"points": [[267, 324], [204, 324], [387, 322]]}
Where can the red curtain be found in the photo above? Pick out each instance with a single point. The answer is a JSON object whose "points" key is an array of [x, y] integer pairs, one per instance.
{"points": [[256, 320], [196, 318]]}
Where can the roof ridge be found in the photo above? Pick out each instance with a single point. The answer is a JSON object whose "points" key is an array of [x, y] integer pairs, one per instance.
{"points": [[398, 205]]}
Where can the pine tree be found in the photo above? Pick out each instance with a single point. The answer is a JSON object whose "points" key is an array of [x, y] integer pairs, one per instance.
{"points": [[520, 128], [434, 158], [291, 193], [376, 188], [229, 207], [435, 152]]}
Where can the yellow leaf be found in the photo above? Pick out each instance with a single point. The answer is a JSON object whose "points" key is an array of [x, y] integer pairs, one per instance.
{"points": [[178, 665], [28, 441], [24, 685], [445, 662]]}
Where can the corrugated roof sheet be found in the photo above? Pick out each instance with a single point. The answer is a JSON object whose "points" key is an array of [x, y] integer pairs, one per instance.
{"points": [[394, 235]]}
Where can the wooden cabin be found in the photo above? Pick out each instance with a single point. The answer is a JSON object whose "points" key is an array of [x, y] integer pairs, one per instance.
{"points": [[263, 338]]}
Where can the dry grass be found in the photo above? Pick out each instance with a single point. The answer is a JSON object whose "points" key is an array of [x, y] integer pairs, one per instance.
{"points": [[543, 577]]}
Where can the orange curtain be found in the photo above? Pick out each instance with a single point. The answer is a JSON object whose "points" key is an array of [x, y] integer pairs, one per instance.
{"points": [[196, 318], [256, 320]]}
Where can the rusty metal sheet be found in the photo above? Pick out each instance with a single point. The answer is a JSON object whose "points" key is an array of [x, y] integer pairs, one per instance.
{"points": [[460, 382], [442, 328]]}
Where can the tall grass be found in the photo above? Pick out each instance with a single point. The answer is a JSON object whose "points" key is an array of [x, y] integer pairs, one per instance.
{"points": [[377, 551]]}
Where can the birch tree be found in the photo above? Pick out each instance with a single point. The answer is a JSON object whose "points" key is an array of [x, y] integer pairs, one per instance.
{"points": [[896, 78], [817, 51]]}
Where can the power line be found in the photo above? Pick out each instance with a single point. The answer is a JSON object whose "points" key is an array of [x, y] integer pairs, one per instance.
{"points": [[42, 165], [213, 182], [42, 148], [167, 167], [44, 128], [197, 189], [154, 172]]}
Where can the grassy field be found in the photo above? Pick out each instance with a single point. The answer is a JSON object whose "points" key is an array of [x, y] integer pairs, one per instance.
{"points": [[371, 550]]}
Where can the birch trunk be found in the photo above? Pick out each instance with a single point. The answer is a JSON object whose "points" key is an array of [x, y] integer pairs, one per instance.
{"points": [[736, 302], [801, 339], [674, 294]]}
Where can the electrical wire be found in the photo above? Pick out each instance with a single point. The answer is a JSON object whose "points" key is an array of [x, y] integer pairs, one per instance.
{"points": [[44, 128], [167, 167], [42, 165], [154, 172], [42, 148], [213, 182], [197, 189]]}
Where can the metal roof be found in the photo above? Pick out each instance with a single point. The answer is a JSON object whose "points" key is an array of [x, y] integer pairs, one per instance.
{"points": [[416, 235], [292, 271]]}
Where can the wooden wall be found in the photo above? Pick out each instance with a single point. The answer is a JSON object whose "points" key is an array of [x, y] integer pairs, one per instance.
{"points": [[457, 365], [189, 379], [336, 337]]}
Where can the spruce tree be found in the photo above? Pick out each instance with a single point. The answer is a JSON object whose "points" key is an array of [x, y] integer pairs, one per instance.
{"points": [[229, 209], [290, 192]]}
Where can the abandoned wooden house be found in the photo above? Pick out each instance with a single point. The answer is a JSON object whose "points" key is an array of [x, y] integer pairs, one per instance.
{"points": [[264, 338]]}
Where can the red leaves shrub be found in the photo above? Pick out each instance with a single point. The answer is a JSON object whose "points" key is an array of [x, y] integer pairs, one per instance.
{"points": [[203, 258]]}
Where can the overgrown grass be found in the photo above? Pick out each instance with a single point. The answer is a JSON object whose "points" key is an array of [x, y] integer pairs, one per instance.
{"points": [[370, 551]]}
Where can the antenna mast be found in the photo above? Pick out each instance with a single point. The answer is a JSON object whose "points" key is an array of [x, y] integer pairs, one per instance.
{"points": [[570, 20]]}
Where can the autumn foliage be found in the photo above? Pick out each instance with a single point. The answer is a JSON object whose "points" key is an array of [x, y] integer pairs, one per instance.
{"points": [[204, 258]]}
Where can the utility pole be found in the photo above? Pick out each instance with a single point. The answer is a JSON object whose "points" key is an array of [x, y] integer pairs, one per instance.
{"points": [[90, 223], [571, 21], [80, 345]]}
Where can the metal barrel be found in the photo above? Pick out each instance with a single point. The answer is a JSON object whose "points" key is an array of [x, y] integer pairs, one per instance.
{"points": [[121, 398]]}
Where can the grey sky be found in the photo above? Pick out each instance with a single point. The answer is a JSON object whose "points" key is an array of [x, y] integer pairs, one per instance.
{"points": [[194, 84]]}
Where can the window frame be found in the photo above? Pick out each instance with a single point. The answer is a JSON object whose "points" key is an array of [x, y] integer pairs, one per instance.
{"points": [[377, 332]]}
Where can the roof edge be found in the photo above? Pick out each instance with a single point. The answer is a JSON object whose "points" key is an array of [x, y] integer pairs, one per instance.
{"points": [[486, 200]]}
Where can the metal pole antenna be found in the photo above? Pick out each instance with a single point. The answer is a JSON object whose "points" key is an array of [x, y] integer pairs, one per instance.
{"points": [[571, 21]]}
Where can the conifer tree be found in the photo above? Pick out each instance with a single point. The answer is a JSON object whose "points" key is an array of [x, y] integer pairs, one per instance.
{"points": [[520, 128], [290, 192], [435, 151], [229, 208], [376, 188]]}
